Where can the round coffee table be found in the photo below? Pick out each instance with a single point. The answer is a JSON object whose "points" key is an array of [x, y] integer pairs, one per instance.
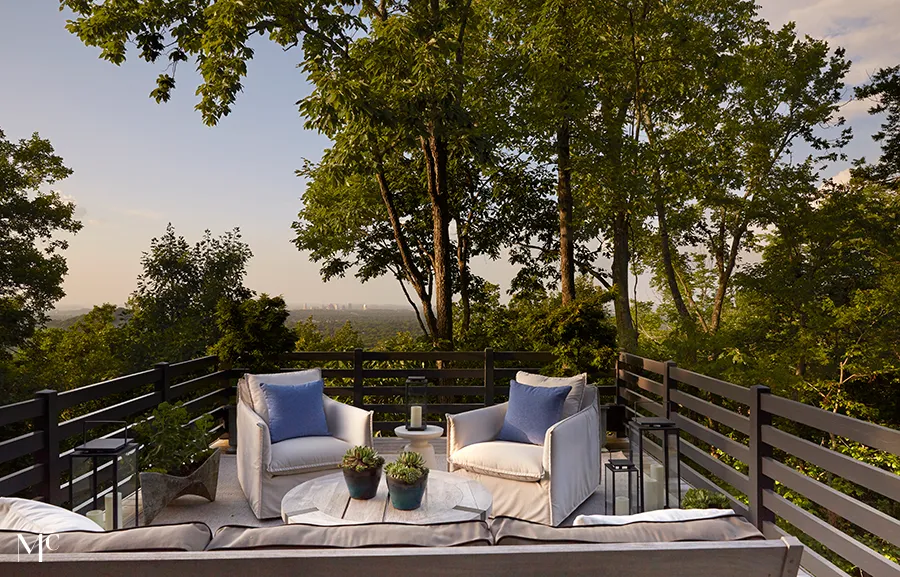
{"points": [[326, 501], [418, 442]]}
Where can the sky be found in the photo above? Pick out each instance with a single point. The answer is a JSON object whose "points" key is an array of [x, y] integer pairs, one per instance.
{"points": [[140, 165]]}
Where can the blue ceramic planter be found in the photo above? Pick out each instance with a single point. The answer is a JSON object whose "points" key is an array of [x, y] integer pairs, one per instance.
{"points": [[362, 484], [407, 497]]}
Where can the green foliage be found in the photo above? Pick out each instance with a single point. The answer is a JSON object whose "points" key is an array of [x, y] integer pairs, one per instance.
{"points": [[171, 445], [704, 499], [408, 468], [361, 458], [884, 87], [253, 333], [31, 223]]}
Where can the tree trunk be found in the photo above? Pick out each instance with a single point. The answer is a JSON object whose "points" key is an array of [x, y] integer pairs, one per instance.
{"points": [[435, 150], [669, 266], [621, 255], [564, 200], [726, 269]]}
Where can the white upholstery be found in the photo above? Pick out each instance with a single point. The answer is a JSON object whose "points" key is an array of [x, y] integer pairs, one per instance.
{"points": [[575, 398], [306, 454], [570, 462], [267, 471], [515, 461], [37, 517], [258, 398]]}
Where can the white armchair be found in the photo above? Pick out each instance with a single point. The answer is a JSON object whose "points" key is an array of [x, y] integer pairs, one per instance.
{"points": [[544, 484], [266, 470]]}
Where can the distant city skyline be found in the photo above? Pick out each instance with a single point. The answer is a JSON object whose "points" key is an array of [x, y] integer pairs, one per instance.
{"points": [[139, 165]]}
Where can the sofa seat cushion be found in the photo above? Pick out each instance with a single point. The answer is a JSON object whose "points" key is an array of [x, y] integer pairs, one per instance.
{"points": [[181, 537], [508, 531], [306, 454], [38, 517], [299, 536], [504, 459]]}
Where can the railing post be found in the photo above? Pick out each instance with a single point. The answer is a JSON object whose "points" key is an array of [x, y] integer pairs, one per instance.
{"points": [[488, 377], [759, 450], [668, 385], [163, 382], [48, 456], [358, 377], [620, 400]]}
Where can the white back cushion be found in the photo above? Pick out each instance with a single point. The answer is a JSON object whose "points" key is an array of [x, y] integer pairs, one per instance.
{"points": [[292, 378], [37, 517], [573, 399]]}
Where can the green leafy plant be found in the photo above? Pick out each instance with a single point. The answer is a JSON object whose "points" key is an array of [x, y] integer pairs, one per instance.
{"points": [[704, 499], [171, 445], [408, 468], [361, 458]]}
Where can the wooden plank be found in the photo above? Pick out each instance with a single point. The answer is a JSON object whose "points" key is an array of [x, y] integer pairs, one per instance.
{"points": [[67, 399], [878, 480], [423, 357], [641, 363], [222, 393], [847, 547], [370, 510], [642, 402], [192, 366], [763, 558], [737, 450], [72, 427], [711, 385], [337, 373], [536, 357], [21, 411], [728, 418], [642, 382], [317, 356], [725, 472], [863, 432], [699, 481], [22, 445], [186, 387], [427, 373], [21, 480], [810, 560], [857, 512]]}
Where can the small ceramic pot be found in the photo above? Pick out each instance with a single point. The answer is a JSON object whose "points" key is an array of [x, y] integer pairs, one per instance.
{"points": [[362, 484], [407, 497]]}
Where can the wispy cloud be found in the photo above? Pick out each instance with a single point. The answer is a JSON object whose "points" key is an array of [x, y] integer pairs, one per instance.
{"points": [[142, 213]]}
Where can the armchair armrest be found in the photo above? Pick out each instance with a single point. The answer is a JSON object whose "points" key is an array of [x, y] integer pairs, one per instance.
{"points": [[254, 442], [472, 427], [348, 423], [572, 460]]}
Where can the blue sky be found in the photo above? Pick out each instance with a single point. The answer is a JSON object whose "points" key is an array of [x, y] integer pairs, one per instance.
{"points": [[139, 165]]}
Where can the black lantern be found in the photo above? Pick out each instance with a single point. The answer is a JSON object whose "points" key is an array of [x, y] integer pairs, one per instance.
{"points": [[657, 461], [115, 459], [416, 403], [623, 501]]}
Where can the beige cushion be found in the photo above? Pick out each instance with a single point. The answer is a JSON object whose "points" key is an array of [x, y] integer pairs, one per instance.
{"points": [[182, 537], [573, 399], [306, 454], [515, 461], [363, 535], [37, 517], [508, 531], [258, 398]]}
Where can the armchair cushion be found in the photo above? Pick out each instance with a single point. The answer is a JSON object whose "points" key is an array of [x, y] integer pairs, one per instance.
{"points": [[531, 411], [258, 399], [574, 400], [514, 461], [295, 410], [306, 454]]}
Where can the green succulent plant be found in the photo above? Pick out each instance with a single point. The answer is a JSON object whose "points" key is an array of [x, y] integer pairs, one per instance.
{"points": [[408, 468], [704, 499], [361, 458]]}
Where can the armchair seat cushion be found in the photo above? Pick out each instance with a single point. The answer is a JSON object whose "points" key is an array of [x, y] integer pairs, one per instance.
{"points": [[504, 459], [306, 454]]}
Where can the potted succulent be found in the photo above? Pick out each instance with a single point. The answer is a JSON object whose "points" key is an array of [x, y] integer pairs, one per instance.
{"points": [[176, 458], [406, 481], [362, 471]]}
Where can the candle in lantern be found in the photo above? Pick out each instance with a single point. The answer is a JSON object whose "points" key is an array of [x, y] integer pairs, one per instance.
{"points": [[651, 494], [97, 516], [415, 416], [108, 522], [621, 505], [658, 474]]}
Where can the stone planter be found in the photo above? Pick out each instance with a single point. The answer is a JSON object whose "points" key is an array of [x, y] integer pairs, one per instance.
{"points": [[406, 497], [159, 489], [362, 484]]}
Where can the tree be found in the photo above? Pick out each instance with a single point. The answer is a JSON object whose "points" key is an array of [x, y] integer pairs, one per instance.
{"points": [[253, 333], [885, 88], [31, 266]]}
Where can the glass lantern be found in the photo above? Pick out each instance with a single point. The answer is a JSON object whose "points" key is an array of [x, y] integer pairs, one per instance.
{"points": [[103, 479], [416, 403], [658, 483], [621, 502]]}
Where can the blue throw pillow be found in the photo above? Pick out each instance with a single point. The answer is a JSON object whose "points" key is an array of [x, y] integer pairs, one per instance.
{"points": [[531, 411], [295, 410]]}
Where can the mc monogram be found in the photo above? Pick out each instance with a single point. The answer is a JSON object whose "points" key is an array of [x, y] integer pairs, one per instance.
{"points": [[39, 545]]}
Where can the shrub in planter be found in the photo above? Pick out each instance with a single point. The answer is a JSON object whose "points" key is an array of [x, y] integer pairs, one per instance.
{"points": [[407, 478], [362, 471]]}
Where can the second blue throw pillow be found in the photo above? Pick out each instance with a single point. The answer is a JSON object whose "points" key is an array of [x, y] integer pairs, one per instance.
{"points": [[531, 411]]}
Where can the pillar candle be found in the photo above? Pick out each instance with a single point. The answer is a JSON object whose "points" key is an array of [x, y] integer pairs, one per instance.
{"points": [[108, 506], [621, 505], [97, 516], [658, 473], [415, 416], [651, 494]]}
